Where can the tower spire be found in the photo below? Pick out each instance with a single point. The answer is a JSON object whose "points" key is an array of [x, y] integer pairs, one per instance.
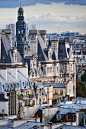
{"points": [[20, 3]]}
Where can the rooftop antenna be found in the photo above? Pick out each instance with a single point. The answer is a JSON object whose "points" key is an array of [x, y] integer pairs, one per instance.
{"points": [[20, 3]]}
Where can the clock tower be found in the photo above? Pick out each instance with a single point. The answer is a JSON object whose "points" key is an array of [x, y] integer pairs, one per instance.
{"points": [[22, 45]]}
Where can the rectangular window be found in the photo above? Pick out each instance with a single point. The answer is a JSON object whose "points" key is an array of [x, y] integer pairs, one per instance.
{"points": [[61, 92], [39, 101], [33, 102], [50, 69], [65, 69], [53, 69], [43, 99], [47, 69], [56, 91]]}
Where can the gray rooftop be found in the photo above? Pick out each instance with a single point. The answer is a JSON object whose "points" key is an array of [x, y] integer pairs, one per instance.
{"points": [[7, 51], [55, 85], [27, 125], [70, 127]]}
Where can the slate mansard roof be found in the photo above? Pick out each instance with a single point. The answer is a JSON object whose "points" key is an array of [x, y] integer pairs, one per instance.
{"points": [[63, 49], [7, 51]]}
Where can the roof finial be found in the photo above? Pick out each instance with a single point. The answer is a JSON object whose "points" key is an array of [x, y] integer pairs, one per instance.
{"points": [[20, 3]]}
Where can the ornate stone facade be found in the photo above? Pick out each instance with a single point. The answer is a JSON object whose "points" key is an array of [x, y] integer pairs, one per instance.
{"points": [[55, 62]]}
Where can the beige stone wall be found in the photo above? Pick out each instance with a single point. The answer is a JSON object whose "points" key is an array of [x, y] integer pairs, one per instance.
{"points": [[58, 90], [56, 96], [49, 95]]}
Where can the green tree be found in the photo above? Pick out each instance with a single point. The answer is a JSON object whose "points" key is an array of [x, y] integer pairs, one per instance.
{"points": [[83, 77], [80, 89], [21, 96]]}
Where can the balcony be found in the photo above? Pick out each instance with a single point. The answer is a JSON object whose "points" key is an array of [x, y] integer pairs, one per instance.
{"points": [[25, 97]]}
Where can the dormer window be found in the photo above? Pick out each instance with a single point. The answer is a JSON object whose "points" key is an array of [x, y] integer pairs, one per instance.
{"points": [[58, 117]]}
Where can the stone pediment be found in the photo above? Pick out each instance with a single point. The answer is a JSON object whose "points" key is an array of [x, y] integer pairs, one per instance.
{"points": [[65, 59]]}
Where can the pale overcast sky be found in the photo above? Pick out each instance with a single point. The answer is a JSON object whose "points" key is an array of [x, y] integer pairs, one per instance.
{"points": [[52, 15]]}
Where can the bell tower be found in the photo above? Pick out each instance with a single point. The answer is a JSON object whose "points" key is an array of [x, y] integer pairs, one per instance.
{"points": [[22, 46]]}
